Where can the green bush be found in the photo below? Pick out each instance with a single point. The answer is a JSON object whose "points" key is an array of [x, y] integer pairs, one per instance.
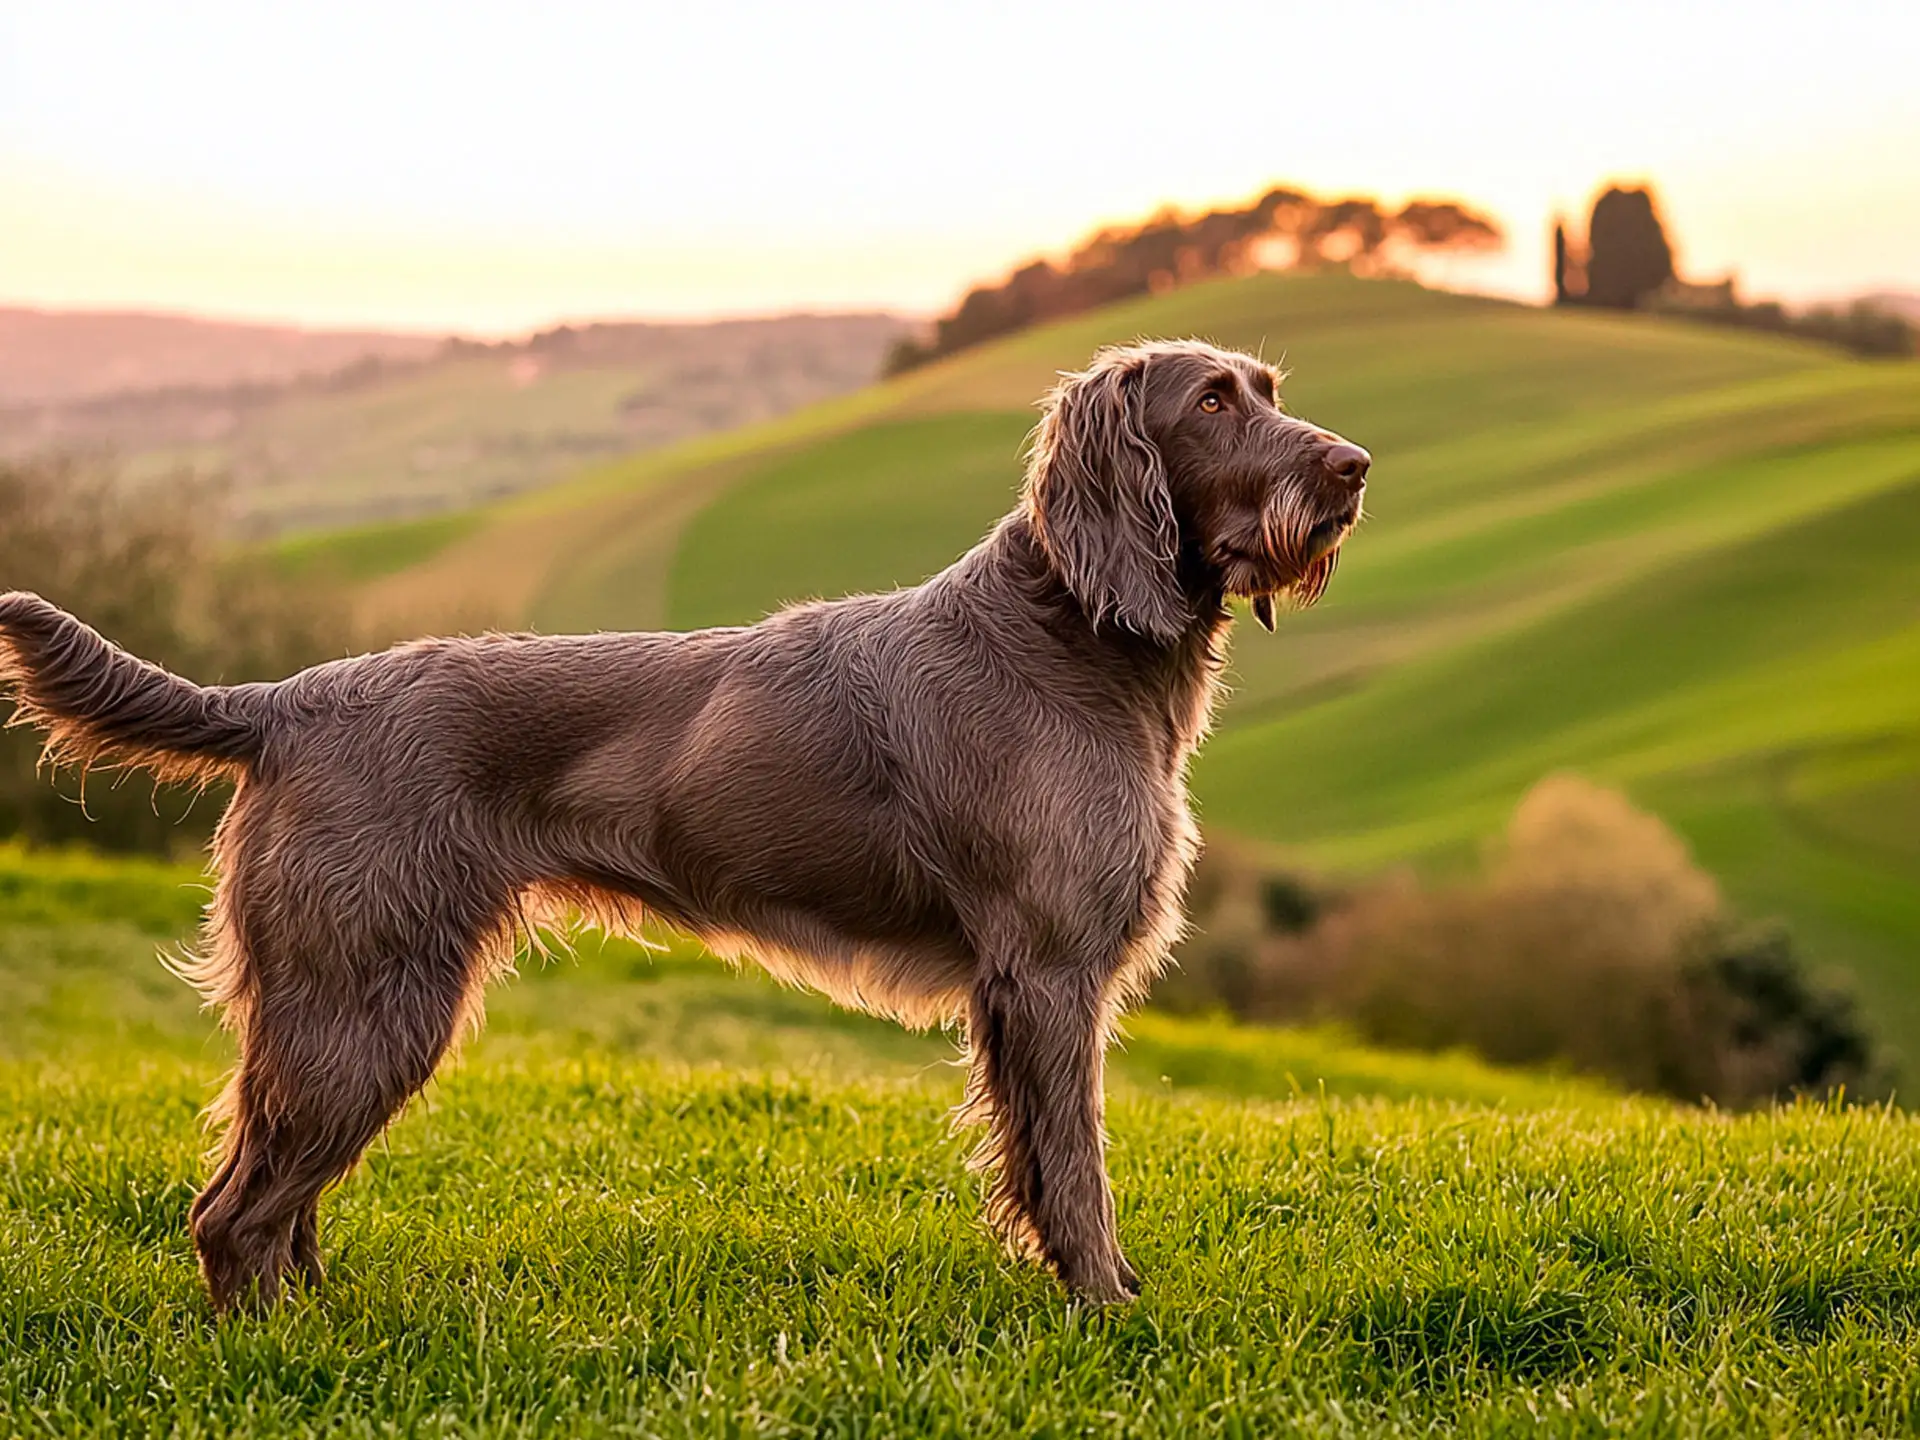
{"points": [[1777, 1031], [1592, 942]]}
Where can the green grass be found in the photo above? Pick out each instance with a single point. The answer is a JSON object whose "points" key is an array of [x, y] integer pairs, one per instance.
{"points": [[1677, 559], [657, 1199], [606, 1246]]}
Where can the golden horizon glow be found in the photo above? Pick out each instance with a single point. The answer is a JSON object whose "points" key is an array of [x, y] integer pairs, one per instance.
{"points": [[359, 172]]}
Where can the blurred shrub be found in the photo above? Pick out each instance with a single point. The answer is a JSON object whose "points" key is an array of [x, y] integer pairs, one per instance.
{"points": [[146, 567], [1776, 1032], [1592, 941]]}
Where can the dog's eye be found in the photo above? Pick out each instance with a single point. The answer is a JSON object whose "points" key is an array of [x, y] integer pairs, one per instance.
{"points": [[1211, 402]]}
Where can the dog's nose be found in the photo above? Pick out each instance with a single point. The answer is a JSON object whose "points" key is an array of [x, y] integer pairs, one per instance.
{"points": [[1348, 463]]}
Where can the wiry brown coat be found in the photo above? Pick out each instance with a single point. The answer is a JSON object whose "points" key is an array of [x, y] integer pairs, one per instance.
{"points": [[963, 800]]}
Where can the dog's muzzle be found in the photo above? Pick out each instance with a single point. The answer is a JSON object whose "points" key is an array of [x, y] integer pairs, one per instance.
{"points": [[1344, 466]]}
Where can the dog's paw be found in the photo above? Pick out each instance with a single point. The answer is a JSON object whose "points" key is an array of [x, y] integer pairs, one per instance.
{"points": [[1113, 1283]]}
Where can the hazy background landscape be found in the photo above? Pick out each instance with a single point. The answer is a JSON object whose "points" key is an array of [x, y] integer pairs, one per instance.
{"points": [[1541, 1049], [314, 429]]}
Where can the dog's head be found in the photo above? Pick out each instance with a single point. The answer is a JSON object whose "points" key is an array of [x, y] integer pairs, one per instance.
{"points": [[1166, 475]]}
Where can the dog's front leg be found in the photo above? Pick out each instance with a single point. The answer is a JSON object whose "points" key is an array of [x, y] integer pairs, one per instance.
{"points": [[1038, 1059]]}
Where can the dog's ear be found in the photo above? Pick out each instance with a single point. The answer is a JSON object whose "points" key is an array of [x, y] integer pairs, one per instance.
{"points": [[1097, 494]]}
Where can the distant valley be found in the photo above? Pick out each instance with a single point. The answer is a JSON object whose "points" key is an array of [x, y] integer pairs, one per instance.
{"points": [[317, 430]]}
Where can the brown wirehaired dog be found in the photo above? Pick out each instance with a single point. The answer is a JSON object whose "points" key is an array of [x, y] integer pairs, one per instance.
{"points": [[962, 800]]}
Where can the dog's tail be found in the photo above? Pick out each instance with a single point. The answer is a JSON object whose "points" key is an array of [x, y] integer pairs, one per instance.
{"points": [[98, 703]]}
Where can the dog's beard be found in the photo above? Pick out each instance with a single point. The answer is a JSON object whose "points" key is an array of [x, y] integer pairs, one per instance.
{"points": [[1301, 593], [1302, 544]]}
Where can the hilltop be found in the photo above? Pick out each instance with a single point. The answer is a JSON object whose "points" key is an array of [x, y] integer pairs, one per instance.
{"points": [[1676, 559]]}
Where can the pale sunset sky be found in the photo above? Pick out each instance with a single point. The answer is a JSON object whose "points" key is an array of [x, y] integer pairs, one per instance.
{"points": [[490, 168]]}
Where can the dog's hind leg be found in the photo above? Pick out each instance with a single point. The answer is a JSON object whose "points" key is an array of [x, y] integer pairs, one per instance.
{"points": [[1037, 1041], [337, 1038], [306, 1245]]}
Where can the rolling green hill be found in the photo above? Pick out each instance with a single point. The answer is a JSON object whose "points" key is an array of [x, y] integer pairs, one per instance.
{"points": [[1679, 560]]}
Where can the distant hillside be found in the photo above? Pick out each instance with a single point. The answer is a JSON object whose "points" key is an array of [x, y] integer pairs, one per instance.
{"points": [[1674, 558], [65, 355], [450, 423]]}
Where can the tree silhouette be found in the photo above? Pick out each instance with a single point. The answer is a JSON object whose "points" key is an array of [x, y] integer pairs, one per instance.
{"points": [[1169, 249], [1629, 265], [1628, 257]]}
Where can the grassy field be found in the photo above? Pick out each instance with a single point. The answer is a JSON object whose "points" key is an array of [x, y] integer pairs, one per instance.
{"points": [[656, 1199], [1678, 560]]}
